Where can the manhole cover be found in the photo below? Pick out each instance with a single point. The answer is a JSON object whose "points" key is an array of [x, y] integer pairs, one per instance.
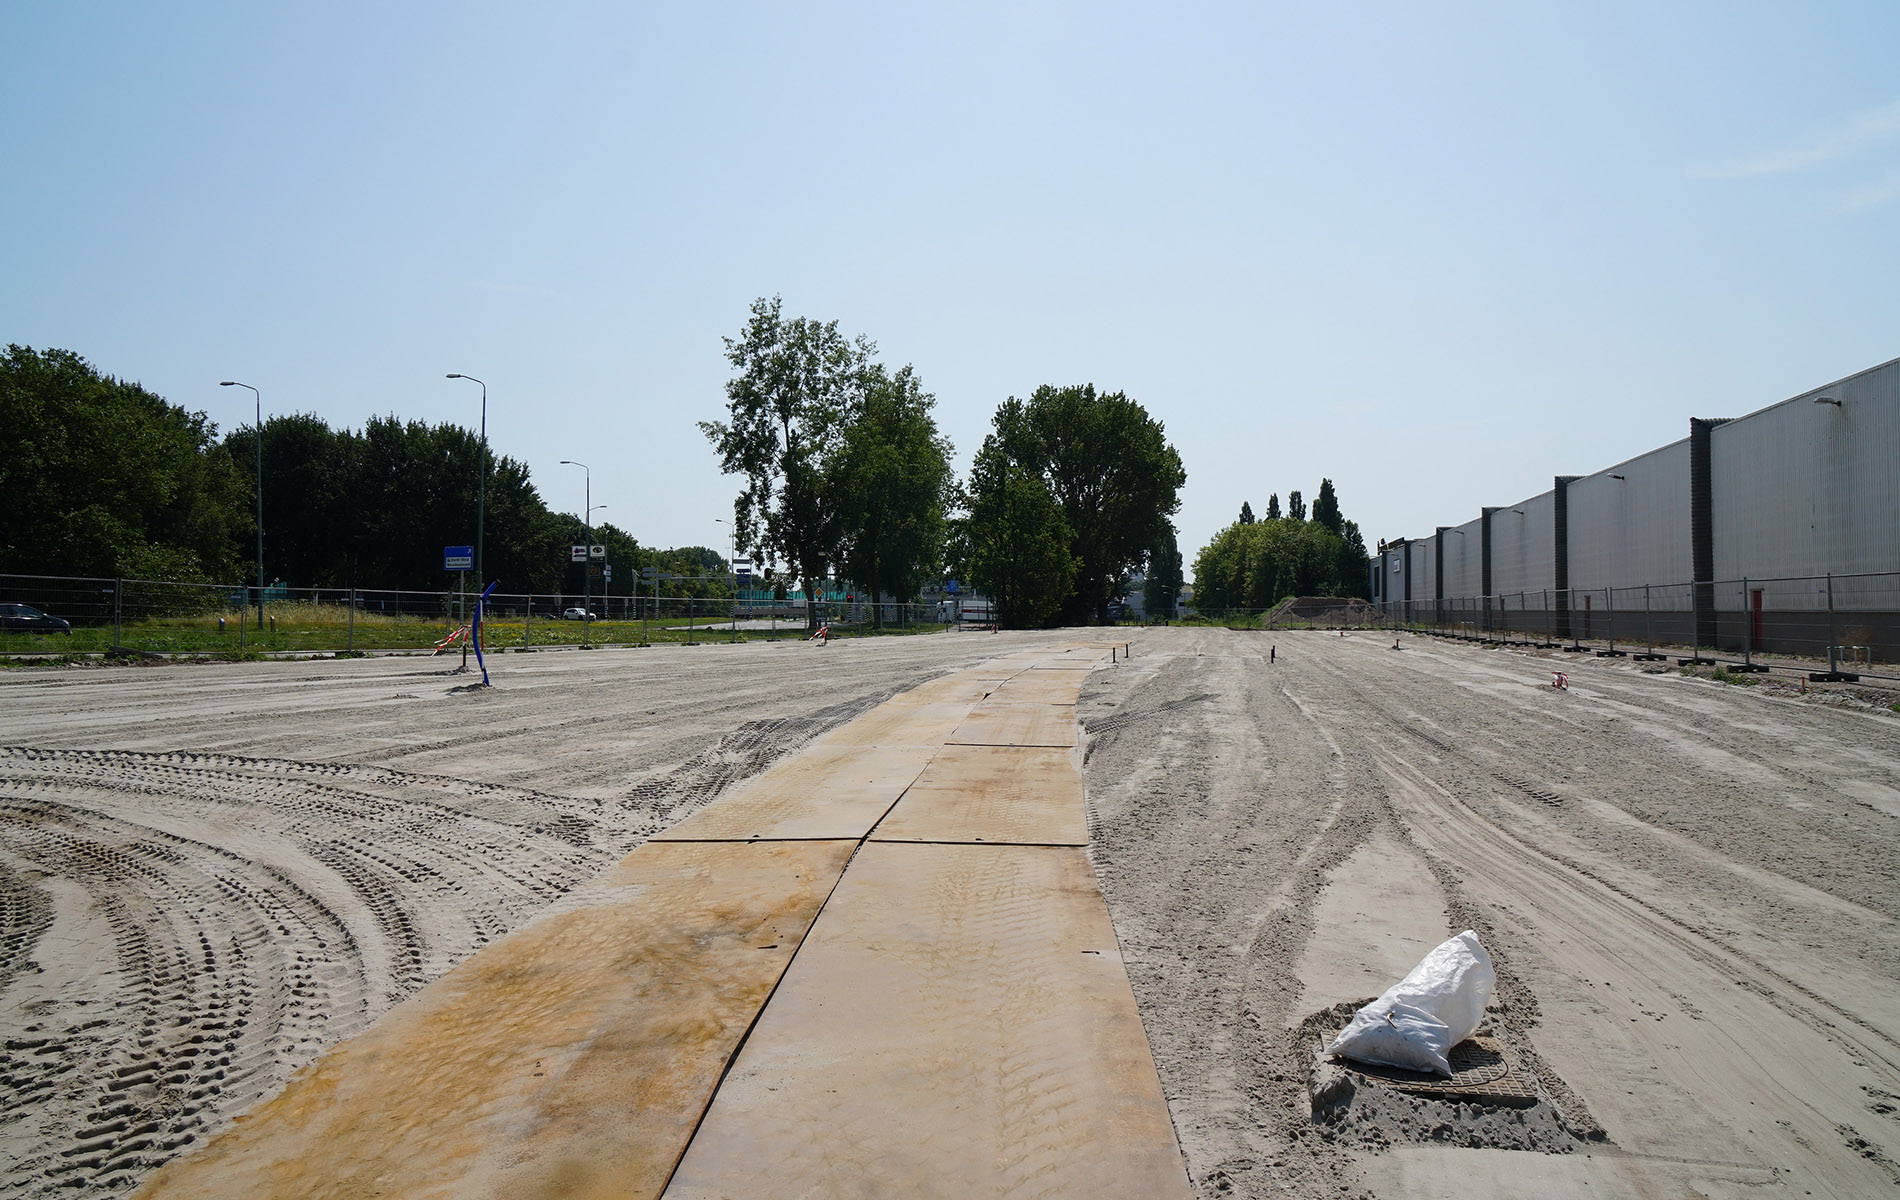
{"points": [[1481, 1073]]}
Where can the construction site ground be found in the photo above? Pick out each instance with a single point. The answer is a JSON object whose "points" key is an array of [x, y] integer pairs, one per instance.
{"points": [[213, 874]]}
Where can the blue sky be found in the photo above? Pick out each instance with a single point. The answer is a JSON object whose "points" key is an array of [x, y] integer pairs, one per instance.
{"points": [[1437, 256]]}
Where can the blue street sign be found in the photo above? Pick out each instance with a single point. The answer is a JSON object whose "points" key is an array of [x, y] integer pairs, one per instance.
{"points": [[458, 558], [950, 585]]}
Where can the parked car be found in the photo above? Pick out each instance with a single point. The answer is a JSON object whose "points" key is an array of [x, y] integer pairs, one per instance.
{"points": [[24, 617], [578, 614]]}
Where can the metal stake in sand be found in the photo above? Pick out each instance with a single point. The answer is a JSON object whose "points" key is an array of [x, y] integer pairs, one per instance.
{"points": [[481, 604]]}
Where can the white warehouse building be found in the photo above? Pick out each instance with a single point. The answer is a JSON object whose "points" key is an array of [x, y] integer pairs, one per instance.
{"points": [[1778, 531]]}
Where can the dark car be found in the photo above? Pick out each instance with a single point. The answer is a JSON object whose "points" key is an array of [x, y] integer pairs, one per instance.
{"points": [[26, 618]]}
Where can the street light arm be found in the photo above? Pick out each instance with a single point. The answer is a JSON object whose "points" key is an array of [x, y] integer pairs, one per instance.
{"points": [[481, 483]]}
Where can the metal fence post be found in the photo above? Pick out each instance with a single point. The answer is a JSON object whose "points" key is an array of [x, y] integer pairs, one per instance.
{"points": [[1833, 642], [350, 644], [118, 600], [1748, 631], [1748, 628], [1609, 617], [1649, 634]]}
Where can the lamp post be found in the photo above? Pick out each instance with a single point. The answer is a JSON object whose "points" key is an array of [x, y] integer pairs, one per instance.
{"points": [[258, 397], [587, 527], [481, 487], [732, 571]]}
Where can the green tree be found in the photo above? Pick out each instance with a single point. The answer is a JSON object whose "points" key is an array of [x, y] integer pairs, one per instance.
{"points": [[1326, 508], [1164, 580], [1295, 507], [794, 385], [1252, 567], [1016, 543], [102, 477], [1246, 513], [414, 492], [1273, 507], [1110, 467], [308, 497], [891, 484]]}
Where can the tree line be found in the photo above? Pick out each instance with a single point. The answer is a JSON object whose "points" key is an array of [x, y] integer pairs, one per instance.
{"points": [[846, 474], [1255, 564], [105, 478], [846, 479]]}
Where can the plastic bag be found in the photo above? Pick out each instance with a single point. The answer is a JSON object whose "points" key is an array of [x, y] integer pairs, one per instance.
{"points": [[1421, 1017]]}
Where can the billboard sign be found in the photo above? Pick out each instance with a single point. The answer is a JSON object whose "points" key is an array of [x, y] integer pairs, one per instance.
{"points": [[597, 551], [577, 553]]}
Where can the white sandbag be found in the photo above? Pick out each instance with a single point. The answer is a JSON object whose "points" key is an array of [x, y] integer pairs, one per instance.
{"points": [[1437, 1005]]}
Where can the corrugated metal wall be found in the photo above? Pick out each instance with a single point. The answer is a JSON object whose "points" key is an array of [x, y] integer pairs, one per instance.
{"points": [[1464, 564], [1633, 530], [1806, 488], [1424, 574], [1523, 546], [1798, 489]]}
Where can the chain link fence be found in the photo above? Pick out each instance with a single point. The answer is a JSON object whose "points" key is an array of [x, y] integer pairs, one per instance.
{"points": [[148, 616], [1851, 622]]}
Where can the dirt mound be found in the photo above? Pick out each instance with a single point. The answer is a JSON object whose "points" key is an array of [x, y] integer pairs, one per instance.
{"points": [[1324, 610]]}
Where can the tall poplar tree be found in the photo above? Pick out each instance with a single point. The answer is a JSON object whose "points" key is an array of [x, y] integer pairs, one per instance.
{"points": [[795, 383]]}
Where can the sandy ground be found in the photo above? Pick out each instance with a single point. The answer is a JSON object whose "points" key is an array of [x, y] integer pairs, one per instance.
{"points": [[208, 874], [1691, 891]]}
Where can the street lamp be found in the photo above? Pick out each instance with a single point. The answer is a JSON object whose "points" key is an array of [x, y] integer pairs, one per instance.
{"points": [[732, 569], [258, 397], [587, 526], [481, 488]]}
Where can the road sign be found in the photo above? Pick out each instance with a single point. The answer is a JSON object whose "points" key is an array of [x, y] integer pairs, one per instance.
{"points": [[950, 585], [577, 553], [608, 571], [649, 574], [458, 558], [597, 551]]}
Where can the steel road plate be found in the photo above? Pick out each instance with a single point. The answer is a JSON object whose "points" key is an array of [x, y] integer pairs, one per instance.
{"points": [[1040, 687], [967, 686], [901, 722], [825, 792], [993, 724], [958, 1024], [994, 794], [572, 1058]]}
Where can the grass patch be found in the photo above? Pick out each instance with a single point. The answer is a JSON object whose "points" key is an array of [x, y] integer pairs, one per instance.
{"points": [[10, 663], [313, 629]]}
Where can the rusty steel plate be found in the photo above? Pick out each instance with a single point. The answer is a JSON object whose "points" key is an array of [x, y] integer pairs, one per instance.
{"points": [[572, 1058], [993, 724], [958, 1024], [824, 792], [995, 794], [902, 722], [1040, 687], [967, 686], [1074, 658]]}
